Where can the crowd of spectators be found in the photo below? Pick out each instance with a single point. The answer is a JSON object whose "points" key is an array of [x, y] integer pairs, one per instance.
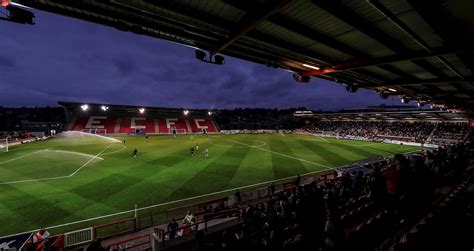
{"points": [[376, 130], [258, 118], [354, 212], [454, 131]]}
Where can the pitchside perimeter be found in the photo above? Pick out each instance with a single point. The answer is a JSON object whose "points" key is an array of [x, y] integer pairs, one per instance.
{"points": [[86, 179]]}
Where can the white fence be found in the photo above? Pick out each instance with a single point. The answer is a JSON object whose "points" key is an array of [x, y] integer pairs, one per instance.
{"points": [[79, 237]]}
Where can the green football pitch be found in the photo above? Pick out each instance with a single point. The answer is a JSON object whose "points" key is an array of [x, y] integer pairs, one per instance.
{"points": [[58, 182]]}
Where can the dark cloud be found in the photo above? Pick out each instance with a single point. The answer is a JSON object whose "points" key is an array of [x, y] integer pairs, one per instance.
{"points": [[6, 62], [67, 59]]}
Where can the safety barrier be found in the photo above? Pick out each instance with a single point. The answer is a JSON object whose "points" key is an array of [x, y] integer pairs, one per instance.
{"points": [[78, 237]]}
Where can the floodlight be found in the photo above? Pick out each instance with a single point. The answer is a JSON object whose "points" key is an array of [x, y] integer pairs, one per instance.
{"points": [[311, 66], [85, 107], [141, 110], [209, 113], [186, 112], [104, 108]]}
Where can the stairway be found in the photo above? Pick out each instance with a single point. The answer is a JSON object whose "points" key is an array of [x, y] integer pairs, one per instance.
{"points": [[428, 140]]}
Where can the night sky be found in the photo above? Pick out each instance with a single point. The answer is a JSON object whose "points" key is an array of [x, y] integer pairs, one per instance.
{"points": [[67, 59]]}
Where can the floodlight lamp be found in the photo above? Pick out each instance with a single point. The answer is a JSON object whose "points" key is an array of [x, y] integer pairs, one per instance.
{"points": [[141, 110], [209, 113], [311, 66], [104, 108], [186, 112], [85, 107]]}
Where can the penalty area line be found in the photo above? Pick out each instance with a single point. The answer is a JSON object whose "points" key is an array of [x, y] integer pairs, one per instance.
{"points": [[58, 177], [21, 157], [32, 180]]}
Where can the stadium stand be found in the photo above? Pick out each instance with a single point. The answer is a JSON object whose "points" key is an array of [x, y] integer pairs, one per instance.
{"points": [[384, 205], [128, 120], [450, 131], [414, 50], [416, 126], [253, 119], [406, 131], [362, 212], [24, 124]]}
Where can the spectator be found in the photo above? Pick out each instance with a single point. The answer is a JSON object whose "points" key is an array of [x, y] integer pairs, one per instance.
{"points": [[238, 196], [172, 227], [96, 245], [297, 180]]}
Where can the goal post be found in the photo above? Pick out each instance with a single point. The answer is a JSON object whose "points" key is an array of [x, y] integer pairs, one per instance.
{"points": [[176, 131], [100, 131], [3, 145]]}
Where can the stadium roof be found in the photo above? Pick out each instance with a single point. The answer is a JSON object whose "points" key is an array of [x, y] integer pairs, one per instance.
{"points": [[414, 115], [420, 49], [76, 107]]}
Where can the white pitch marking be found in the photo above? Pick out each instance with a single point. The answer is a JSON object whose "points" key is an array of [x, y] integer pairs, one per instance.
{"points": [[32, 180], [58, 177], [368, 144], [116, 151], [261, 144], [93, 135], [325, 140], [288, 156], [89, 161], [21, 157], [23, 147], [76, 153], [167, 203]]}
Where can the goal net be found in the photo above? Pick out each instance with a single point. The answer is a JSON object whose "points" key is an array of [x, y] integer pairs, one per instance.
{"points": [[95, 131], [175, 131], [3, 145]]}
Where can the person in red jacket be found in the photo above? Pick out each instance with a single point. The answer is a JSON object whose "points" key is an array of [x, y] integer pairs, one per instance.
{"points": [[39, 238], [392, 175]]}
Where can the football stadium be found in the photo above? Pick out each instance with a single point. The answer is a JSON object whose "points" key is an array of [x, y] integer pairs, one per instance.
{"points": [[85, 174]]}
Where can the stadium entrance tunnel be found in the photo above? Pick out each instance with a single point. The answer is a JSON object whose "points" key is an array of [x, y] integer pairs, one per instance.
{"points": [[241, 143]]}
